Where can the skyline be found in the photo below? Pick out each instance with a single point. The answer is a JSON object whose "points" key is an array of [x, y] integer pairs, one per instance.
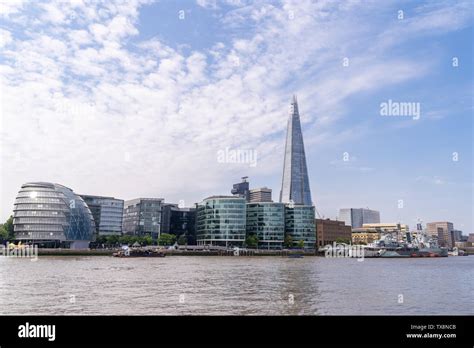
{"points": [[105, 101]]}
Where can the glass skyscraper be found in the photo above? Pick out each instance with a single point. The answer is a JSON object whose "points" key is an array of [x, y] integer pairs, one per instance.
{"points": [[221, 220], [52, 215], [295, 182]]}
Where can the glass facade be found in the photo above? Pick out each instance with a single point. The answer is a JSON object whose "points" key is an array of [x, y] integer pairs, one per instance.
{"points": [[51, 213], [221, 220], [142, 216], [267, 222], [295, 183], [107, 212], [300, 225]]}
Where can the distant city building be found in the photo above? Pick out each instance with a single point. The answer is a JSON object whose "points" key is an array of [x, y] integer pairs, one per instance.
{"points": [[365, 235], [300, 225], [457, 235], [221, 220], [142, 216], [330, 231], [262, 194], [356, 217], [52, 215], [388, 227], [107, 213], [443, 231], [470, 238], [295, 182], [266, 220], [242, 189]]}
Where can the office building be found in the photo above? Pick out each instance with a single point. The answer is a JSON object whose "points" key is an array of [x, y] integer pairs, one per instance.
{"points": [[262, 194], [142, 217], [221, 220], [266, 220], [241, 189], [52, 215], [356, 217], [365, 235], [295, 182], [443, 231], [179, 222], [300, 225], [107, 213], [330, 231]]}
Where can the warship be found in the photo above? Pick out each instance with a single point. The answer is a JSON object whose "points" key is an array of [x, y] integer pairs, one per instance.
{"points": [[392, 244]]}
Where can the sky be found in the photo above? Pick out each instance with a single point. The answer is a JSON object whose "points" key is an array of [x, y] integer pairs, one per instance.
{"points": [[133, 98]]}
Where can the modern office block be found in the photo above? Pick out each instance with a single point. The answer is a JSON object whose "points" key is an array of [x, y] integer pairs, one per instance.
{"points": [[142, 216], [221, 220], [107, 213], [356, 217], [266, 220]]}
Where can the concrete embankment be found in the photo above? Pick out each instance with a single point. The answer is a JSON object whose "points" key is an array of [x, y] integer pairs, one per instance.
{"points": [[109, 252]]}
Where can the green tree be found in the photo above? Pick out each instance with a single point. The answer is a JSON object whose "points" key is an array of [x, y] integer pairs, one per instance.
{"points": [[182, 240], [288, 242], [112, 240], [251, 241], [342, 240], [146, 240], [3, 233], [166, 239], [301, 244], [8, 225]]}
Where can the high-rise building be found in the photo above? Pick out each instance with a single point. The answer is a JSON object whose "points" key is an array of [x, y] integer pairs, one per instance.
{"points": [[262, 194], [443, 230], [241, 189], [295, 182], [266, 220], [107, 213], [142, 216], [221, 221], [356, 217], [52, 215], [330, 231]]}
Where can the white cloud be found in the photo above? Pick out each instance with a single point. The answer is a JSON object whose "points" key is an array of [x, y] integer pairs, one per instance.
{"points": [[106, 119]]}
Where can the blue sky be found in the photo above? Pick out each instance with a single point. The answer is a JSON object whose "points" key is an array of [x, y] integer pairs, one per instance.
{"points": [[130, 98]]}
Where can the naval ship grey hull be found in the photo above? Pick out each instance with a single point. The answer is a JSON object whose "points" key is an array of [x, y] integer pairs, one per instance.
{"points": [[405, 252]]}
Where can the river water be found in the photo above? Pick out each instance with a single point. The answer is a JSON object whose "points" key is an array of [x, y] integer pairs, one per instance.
{"points": [[231, 285]]}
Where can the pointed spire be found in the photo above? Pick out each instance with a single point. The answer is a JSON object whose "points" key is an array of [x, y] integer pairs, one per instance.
{"points": [[294, 106]]}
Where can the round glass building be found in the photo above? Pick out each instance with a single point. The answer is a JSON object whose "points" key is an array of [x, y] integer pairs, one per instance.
{"points": [[52, 215]]}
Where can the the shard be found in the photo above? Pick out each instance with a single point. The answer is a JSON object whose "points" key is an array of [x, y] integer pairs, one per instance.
{"points": [[295, 182]]}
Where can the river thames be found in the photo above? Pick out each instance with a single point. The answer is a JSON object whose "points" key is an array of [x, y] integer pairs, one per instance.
{"points": [[231, 285]]}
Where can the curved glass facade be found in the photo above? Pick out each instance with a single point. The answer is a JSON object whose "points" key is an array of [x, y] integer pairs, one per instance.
{"points": [[300, 225], [45, 212], [220, 220], [267, 221]]}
